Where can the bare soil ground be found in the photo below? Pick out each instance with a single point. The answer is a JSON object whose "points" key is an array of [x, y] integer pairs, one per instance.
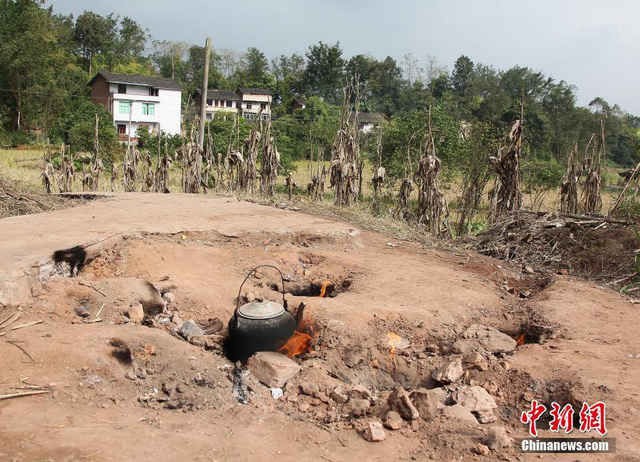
{"points": [[175, 400]]}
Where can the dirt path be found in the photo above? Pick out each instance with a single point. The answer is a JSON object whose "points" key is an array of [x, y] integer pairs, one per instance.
{"points": [[25, 240], [423, 294]]}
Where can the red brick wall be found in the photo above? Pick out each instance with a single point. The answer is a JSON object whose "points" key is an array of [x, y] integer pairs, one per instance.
{"points": [[100, 92]]}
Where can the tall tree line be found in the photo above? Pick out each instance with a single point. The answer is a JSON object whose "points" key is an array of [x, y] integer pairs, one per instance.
{"points": [[47, 59]]}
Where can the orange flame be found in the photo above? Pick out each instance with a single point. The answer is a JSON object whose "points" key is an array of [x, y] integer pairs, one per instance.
{"points": [[301, 341], [521, 339], [323, 288], [297, 344], [394, 341]]}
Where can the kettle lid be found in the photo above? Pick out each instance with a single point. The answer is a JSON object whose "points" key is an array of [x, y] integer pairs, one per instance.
{"points": [[261, 310]]}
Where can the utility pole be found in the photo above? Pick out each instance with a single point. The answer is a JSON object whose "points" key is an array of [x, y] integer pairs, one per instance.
{"points": [[205, 85]]}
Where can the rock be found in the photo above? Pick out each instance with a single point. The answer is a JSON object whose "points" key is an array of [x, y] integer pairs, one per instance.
{"points": [[374, 432], [490, 339], [428, 402], [475, 360], [339, 395], [131, 375], [400, 402], [464, 347], [358, 407], [135, 313], [498, 438], [303, 406], [457, 412], [360, 392], [393, 420], [169, 297], [198, 340], [481, 450], [529, 269], [82, 311], [322, 397], [309, 389], [485, 417], [474, 399], [272, 369], [449, 372], [211, 326], [190, 329]]}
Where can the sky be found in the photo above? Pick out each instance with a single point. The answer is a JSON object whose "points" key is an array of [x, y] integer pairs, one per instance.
{"points": [[593, 45]]}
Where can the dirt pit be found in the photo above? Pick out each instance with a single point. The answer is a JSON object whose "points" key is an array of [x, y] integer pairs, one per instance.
{"points": [[397, 331]]}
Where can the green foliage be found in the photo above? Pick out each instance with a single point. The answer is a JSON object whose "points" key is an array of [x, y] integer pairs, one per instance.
{"points": [[542, 174], [76, 127], [47, 59], [314, 126], [149, 142], [323, 75]]}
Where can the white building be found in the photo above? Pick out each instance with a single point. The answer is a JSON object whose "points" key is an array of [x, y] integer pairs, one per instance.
{"points": [[249, 103], [137, 101]]}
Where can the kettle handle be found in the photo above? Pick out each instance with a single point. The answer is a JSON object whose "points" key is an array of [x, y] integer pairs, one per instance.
{"points": [[249, 274]]}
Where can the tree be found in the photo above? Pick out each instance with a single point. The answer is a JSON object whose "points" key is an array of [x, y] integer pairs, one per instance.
{"points": [[324, 74], [288, 72], [169, 58], [33, 64], [132, 39], [95, 34], [255, 70], [461, 76]]}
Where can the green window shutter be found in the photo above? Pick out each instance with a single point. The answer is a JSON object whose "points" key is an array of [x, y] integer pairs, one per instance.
{"points": [[148, 109], [124, 107]]}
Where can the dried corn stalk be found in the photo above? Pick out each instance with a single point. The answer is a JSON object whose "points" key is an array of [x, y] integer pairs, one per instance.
{"points": [[506, 193], [569, 186], [591, 192], [96, 166], [291, 184], [149, 173], [432, 206], [161, 183], [318, 174], [269, 163], [380, 172], [48, 173], [402, 207], [249, 170], [345, 152], [130, 169], [67, 171], [191, 158], [114, 177]]}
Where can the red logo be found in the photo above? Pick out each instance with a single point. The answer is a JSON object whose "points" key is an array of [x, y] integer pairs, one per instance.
{"points": [[532, 415], [592, 418]]}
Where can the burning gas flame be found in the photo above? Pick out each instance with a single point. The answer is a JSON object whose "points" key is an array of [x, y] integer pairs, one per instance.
{"points": [[394, 341], [297, 344], [521, 339], [323, 288], [301, 341]]}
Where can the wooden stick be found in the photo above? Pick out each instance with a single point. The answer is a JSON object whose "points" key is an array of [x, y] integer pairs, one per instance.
{"points": [[87, 284], [15, 344], [25, 393], [15, 317], [29, 324]]}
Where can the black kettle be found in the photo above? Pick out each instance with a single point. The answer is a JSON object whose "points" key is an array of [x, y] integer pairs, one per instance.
{"points": [[260, 326]]}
